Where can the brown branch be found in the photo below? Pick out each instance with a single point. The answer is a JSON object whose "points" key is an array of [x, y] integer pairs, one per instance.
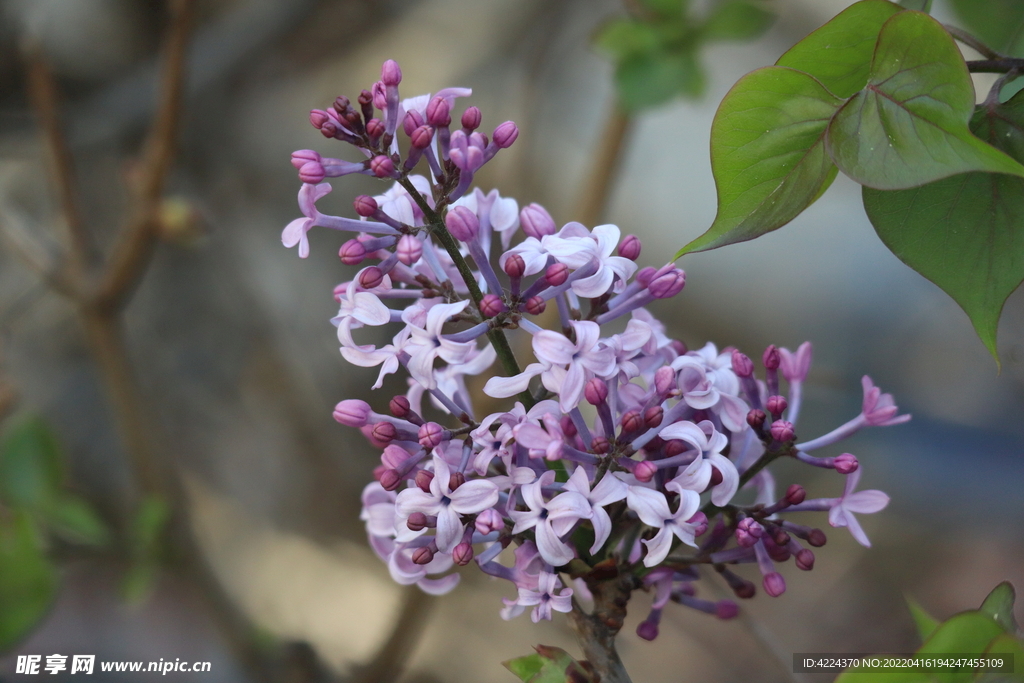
{"points": [[604, 167], [595, 632], [135, 244], [391, 658], [35, 255]]}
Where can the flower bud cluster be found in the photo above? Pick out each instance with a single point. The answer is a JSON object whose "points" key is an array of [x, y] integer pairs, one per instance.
{"points": [[624, 453]]}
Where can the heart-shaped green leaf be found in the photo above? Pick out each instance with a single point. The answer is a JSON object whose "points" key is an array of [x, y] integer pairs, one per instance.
{"points": [[965, 233], [839, 53], [908, 126], [999, 606], [767, 154]]}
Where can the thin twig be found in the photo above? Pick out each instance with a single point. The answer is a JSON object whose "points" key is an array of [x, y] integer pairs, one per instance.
{"points": [[35, 255], [995, 66], [391, 657], [604, 167]]}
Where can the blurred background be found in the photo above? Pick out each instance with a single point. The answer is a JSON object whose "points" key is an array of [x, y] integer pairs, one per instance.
{"points": [[233, 354]]}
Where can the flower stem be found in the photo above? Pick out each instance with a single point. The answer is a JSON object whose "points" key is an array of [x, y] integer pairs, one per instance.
{"points": [[596, 632]]}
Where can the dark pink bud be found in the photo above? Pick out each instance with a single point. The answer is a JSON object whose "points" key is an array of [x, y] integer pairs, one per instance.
{"points": [[411, 122], [653, 416], [371, 277], [782, 431], [600, 445], [774, 584], [742, 365], [375, 128], [318, 118], [378, 471], [744, 590], [393, 456], [471, 119], [491, 305], [566, 425], [726, 609], [678, 346], [716, 476], [665, 380], [352, 412], [417, 521], [817, 538], [771, 358], [462, 554], [699, 522], [438, 112], [846, 463], [557, 274], [645, 471], [399, 406], [596, 391], [645, 275], [421, 137], [409, 249], [489, 520], [668, 284], [431, 435], [535, 305], [382, 166], [423, 479], [536, 221], [390, 74], [311, 172], [777, 405], [422, 555], [352, 253], [675, 447], [795, 494], [775, 551], [648, 630], [805, 560], [756, 418], [515, 266], [390, 479], [462, 223], [748, 531], [505, 134], [365, 205], [632, 421], [384, 432], [456, 480], [630, 247], [301, 157], [781, 537]]}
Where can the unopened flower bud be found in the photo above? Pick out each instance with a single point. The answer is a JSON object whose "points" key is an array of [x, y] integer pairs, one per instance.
{"points": [[716, 476], [422, 555], [411, 122], [781, 537], [489, 520], [596, 391], [536, 221], [375, 128], [462, 223], [431, 435], [382, 166], [805, 560], [417, 521], [438, 112], [365, 205], [384, 432], [311, 172], [846, 463], [777, 405], [782, 431], [699, 522], [645, 471], [567, 426], [795, 494], [679, 347], [648, 630], [653, 416], [748, 531], [514, 266], [423, 479], [632, 421], [630, 247], [645, 275], [491, 305], [726, 609], [421, 137], [462, 554], [471, 119], [817, 538], [505, 134], [556, 274], [352, 253], [600, 445], [409, 249], [371, 277], [352, 412], [456, 480], [777, 552], [666, 283], [741, 364], [399, 406], [318, 118], [301, 157], [774, 584], [771, 358], [665, 381], [745, 590], [390, 479], [390, 74], [756, 418], [675, 447], [535, 305]]}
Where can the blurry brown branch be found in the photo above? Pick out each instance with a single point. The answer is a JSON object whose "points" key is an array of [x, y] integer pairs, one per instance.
{"points": [[389, 662], [604, 167]]}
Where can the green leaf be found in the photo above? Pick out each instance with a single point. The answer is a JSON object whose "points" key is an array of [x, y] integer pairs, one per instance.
{"points": [[964, 633], [550, 665], [666, 8], [965, 233], [737, 20], [622, 38], [526, 667], [926, 623], [75, 520], [999, 606], [917, 5], [1007, 644], [147, 534], [28, 582], [646, 80], [839, 53], [999, 23], [30, 465], [767, 154], [908, 126]]}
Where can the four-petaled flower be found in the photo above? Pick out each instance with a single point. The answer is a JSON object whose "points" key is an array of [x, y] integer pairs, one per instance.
{"points": [[609, 490], [295, 232], [861, 502], [653, 510], [545, 597], [550, 520]]}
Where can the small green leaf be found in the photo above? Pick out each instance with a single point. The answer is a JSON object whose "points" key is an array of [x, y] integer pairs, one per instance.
{"points": [[999, 606], [622, 38], [150, 521], [965, 233], [926, 623], [767, 154], [908, 126], [525, 667], [999, 23], [667, 8], [549, 665], [147, 536], [646, 80], [76, 521], [917, 5], [964, 633], [839, 53], [737, 20], [1007, 644], [30, 465], [28, 582]]}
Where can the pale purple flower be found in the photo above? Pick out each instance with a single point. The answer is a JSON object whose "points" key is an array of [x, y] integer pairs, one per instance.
{"points": [[878, 409], [709, 442], [358, 309], [367, 356], [653, 510], [609, 490], [542, 442], [427, 343], [576, 247], [295, 232], [861, 502], [707, 382], [533, 253], [545, 598], [550, 520]]}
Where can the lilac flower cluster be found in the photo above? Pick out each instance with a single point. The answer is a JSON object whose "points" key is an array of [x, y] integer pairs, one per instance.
{"points": [[622, 447]]}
